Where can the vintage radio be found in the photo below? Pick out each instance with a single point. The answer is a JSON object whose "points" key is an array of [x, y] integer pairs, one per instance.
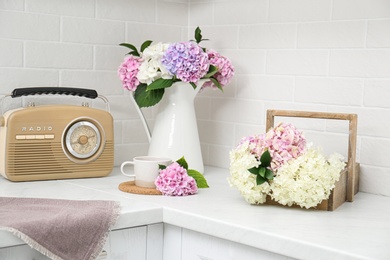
{"points": [[56, 141]]}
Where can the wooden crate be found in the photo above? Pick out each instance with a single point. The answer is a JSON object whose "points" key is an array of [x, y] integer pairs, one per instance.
{"points": [[348, 184]]}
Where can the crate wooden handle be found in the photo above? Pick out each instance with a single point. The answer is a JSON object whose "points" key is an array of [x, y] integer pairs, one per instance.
{"points": [[352, 118]]}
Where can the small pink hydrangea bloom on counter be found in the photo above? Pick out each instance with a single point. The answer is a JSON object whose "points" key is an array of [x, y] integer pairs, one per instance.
{"points": [[174, 181]]}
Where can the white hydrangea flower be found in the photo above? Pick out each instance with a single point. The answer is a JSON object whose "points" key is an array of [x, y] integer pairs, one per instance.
{"points": [[240, 161], [307, 180], [151, 67]]}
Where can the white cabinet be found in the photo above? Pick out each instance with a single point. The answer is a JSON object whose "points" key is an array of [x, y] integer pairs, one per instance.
{"points": [[126, 244], [159, 242], [184, 244], [21, 252], [138, 243]]}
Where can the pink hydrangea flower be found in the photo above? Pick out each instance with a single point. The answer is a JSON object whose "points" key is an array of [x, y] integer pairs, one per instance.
{"points": [[128, 71], [256, 144], [174, 181], [225, 69], [284, 142]]}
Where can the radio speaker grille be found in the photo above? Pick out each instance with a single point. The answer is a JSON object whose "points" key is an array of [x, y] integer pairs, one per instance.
{"points": [[49, 158]]}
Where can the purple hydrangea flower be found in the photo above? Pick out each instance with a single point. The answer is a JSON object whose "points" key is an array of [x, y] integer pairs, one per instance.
{"points": [[186, 60], [174, 181]]}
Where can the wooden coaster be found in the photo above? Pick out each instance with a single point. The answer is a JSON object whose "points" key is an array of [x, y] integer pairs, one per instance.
{"points": [[129, 186]]}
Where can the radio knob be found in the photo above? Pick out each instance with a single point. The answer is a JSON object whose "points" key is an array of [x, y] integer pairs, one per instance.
{"points": [[83, 140]]}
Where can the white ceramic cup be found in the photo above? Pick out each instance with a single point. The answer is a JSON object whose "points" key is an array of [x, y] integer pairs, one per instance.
{"points": [[145, 169]]}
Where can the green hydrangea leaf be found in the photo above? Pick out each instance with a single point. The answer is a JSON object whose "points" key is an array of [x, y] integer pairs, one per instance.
{"points": [[160, 84], [194, 86], [145, 45], [211, 72], [262, 172], [254, 170], [265, 159], [199, 178], [132, 47], [162, 166], [216, 83], [198, 35], [148, 98], [269, 175], [259, 180], [183, 163], [134, 53]]}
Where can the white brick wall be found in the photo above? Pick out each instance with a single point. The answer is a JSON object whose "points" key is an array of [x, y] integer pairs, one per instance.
{"points": [[316, 55], [345, 34], [84, 8], [11, 53], [29, 26], [58, 55], [297, 62], [322, 90], [375, 36], [92, 31], [269, 36], [299, 10], [371, 63], [376, 93], [360, 9]]}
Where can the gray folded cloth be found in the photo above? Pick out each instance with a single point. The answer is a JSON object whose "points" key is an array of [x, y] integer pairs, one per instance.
{"points": [[60, 229]]}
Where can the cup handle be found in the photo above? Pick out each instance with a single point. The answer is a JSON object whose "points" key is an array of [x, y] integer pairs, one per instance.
{"points": [[123, 165]]}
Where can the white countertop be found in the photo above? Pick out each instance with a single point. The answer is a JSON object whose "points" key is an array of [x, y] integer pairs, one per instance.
{"points": [[358, 230]]}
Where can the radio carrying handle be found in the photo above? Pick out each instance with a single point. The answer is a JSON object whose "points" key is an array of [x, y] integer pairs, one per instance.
{"points": [[88, 93], [81, 92]]}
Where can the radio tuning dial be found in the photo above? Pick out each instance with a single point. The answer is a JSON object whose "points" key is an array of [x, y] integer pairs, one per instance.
{"points": [[83, 139]]}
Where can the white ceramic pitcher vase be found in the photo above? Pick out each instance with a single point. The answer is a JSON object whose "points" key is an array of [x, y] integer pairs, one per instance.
{"points": [[175, 132]]}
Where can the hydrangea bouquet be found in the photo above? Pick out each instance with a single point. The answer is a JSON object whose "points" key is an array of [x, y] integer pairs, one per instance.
{"points": [[153, 68], [281, 165], [177, 180]]}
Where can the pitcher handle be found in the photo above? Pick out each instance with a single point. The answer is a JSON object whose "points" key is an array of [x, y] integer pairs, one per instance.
{"points": [[142, 117]]}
